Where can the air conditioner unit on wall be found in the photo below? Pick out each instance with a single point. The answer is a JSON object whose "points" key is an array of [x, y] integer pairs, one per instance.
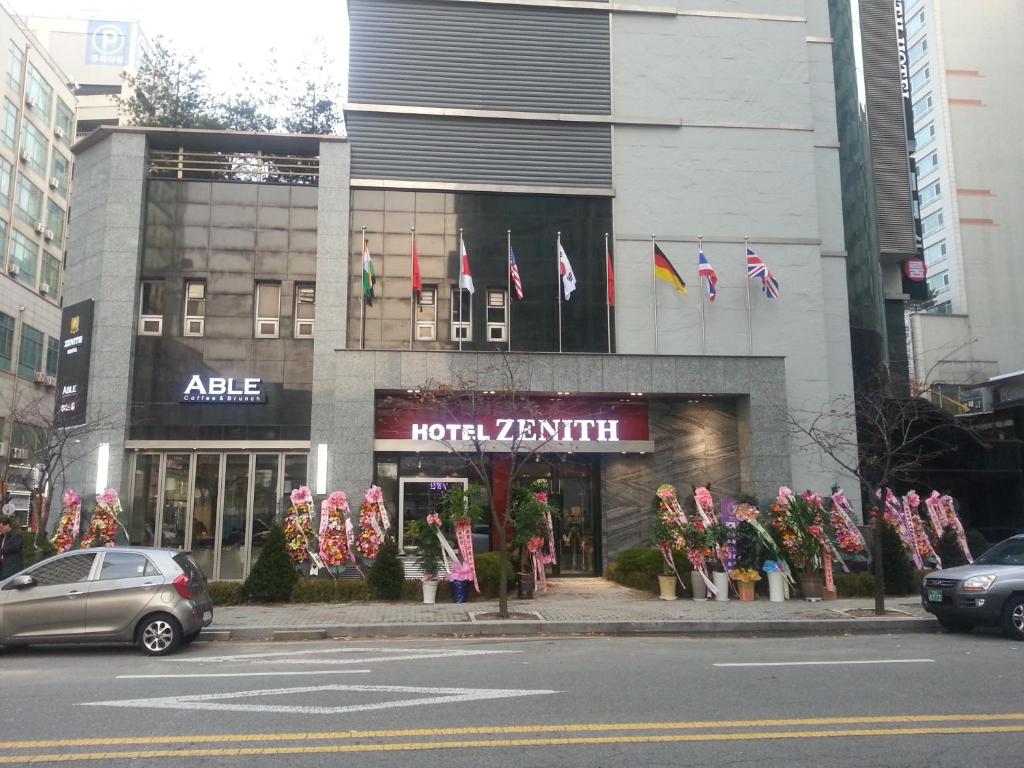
{"points": [[25, 156], [39, 377], [13, 268], [19, 453], [44, 287], [40, 227], [58, 132], [48, 235], [54, 182]]}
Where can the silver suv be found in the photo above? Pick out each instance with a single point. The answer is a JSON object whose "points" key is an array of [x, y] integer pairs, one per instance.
{"points": [[155, 598], [989, 592]]}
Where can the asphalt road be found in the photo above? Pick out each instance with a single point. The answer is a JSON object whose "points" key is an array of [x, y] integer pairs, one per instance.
{"points": [[920, 700]]}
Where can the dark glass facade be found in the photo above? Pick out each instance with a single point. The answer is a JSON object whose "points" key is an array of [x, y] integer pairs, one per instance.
{"points": [[486, 219], [229, 237]]}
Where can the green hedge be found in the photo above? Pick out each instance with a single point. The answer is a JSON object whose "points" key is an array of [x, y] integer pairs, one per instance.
{"points": [[640, 568], [226, 592], [863, 584]]}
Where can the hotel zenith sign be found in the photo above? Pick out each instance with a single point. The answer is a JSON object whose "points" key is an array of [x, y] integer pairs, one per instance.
{"points": [[218, 389], [523, 430]]}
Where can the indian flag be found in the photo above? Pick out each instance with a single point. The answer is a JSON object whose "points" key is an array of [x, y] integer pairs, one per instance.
{"points": [[369, 275]]}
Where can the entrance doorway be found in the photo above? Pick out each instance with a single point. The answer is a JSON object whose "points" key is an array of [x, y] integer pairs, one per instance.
{"points": [[219, 505]]}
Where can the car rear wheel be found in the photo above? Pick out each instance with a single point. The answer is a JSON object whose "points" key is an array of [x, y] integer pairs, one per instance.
{"points": [[159, 635], [1013, 617], [956, 625]]}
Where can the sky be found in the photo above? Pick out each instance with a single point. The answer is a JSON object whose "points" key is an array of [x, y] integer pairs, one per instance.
{"points": [[217, 32]]}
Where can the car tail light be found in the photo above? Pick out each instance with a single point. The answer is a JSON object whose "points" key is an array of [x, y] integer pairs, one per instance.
{"points": [[181, 584]]}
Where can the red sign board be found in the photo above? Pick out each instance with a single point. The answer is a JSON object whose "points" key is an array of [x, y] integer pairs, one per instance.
{"points": [[504, 420], [915, 269]]}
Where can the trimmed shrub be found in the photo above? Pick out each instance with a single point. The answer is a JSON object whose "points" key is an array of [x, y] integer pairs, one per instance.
{"points": [[273, 576], [386, 578], [898, 570], [330, 591], [863, 584], [948, 549], [226, 592], [33, 550], [487, 573], [640, 568], [976, 542]]}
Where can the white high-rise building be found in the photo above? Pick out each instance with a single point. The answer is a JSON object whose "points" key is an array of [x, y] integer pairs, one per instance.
{"points": [[965, 74]]}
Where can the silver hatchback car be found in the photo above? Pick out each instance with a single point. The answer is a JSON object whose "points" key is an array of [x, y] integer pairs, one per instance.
{"points": [[155, 598]]}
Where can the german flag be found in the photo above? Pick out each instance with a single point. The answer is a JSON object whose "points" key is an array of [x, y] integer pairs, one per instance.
{"points": [[664, 270]]}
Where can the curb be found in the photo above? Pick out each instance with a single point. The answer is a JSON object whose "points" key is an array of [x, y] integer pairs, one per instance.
{"points": [[822, 627]]}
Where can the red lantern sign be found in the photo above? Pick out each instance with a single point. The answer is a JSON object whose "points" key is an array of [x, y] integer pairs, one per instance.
{"points": [[915, 269]]}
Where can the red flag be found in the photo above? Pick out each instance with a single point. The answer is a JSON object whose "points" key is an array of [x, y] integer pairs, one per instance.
{"points": [[611, 281], [417, 282]]}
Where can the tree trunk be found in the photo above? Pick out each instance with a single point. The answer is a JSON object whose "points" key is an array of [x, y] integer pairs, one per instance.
{"points": [[877, 555], [502, 559]]}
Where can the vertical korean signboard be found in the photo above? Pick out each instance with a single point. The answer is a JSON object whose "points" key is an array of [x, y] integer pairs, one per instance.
{"points": [[73, 369]]}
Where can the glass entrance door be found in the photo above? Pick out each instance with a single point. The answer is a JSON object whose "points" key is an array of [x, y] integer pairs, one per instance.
{"points": [[420, 496]]}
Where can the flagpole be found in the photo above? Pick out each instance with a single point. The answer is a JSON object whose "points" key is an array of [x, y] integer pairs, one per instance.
{"points": [[607, 290], [700, 290], [558, 287], [462, 330], [508, 289], [362, 303], [412, 283], [655, 297], [750, 327]]}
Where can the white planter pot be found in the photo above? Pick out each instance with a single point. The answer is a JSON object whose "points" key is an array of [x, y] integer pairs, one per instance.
{"points": [[721, 579], [429, 591], [668, 587], [776, 587], [700, 589]]}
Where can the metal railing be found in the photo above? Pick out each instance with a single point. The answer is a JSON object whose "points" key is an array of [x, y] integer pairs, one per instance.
{"points": [[252, 167]]}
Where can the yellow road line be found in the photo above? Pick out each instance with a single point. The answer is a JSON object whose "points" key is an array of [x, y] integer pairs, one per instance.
{"points": [[504, 729], [503, 743]]}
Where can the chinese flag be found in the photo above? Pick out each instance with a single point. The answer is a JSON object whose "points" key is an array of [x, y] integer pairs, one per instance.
{"points": [[417, 283], [611, 281]]}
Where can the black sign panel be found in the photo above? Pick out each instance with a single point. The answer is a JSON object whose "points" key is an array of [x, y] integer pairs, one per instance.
{"points": [[73, 370]]}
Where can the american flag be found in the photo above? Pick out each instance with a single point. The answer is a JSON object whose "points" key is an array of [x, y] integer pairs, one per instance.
{"points": [[517, 282], [757, 268], [707, 272]]}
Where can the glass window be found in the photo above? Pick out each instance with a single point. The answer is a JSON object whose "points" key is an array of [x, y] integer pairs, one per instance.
{"points": [[920, 80], [124, 565], [195, 308], [497, 315], [931, 223], [426, 314], [6, 176], [924, 135], [24, 258], [305, 311], [928, 164], [52, 355], [15, 63], [9, 124], [915, 23], [59, 167], [66, 570], [51, 275], [935, 253], [462, 316], [917, 50], [151, 308], [28, 201], [33, 147], [6, 340], [945, 308], [141, 516], [930, 193], [38, 94], [54, 221], [923, 106], [268, 310], [64, 123], [939, 282], [30, 356]]}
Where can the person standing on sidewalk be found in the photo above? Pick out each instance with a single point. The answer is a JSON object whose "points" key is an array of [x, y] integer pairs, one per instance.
{"points": [[10, 549]]}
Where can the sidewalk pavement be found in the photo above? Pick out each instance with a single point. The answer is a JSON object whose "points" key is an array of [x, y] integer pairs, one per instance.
{"points": [[569, 607]]}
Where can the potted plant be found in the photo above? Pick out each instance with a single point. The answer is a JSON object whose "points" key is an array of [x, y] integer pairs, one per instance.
{"points": [[411, 535], [428, 553], [458, 510], [745, 579], [460, 576], [529, 534], [669, 523]]}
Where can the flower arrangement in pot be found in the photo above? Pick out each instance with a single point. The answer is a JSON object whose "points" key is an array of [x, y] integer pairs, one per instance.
{"points": [[459, 510], [104, 524], [531, 532], [429, 552], [745, 579], [669, 524]]}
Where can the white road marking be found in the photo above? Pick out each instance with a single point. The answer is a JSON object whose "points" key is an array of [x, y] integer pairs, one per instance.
{"points": [[218, 701], [246, 674], [268, 655], [821, 663], [368, 660]]}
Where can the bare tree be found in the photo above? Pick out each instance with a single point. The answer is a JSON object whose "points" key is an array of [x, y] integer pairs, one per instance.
{"points": [[896, 437], [466, 404]]}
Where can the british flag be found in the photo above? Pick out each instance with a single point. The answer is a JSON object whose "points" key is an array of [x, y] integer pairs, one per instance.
{"points": [[707, 273], [513, 268], [758, 269]]}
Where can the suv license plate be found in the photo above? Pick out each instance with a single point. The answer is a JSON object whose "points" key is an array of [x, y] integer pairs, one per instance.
{"points": [[207, 615], [934, 595]]}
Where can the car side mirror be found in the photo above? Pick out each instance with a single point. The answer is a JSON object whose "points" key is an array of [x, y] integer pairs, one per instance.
{"points": [[20, 582]]}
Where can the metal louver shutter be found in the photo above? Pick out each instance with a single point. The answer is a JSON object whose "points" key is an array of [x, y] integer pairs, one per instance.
{"points": [[463, 55], [468, 150], [887, 127]]}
